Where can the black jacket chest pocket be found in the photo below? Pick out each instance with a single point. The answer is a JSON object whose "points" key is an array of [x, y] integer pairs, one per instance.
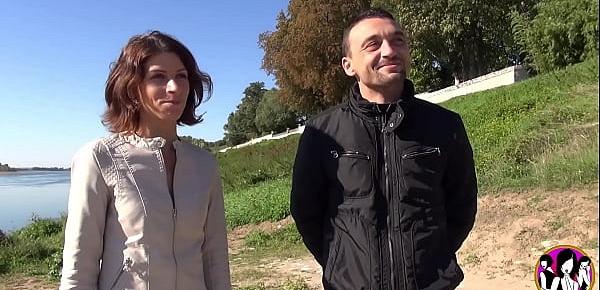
{"points": [[354, 172], [422, 172]]}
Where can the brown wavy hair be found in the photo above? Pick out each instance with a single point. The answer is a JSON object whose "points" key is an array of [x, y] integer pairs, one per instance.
{"points": [[122, 92]]}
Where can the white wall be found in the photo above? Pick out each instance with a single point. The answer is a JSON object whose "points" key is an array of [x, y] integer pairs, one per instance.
{"points": [[503, 77]]}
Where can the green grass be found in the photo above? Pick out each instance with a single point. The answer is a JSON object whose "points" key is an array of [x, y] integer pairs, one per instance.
{"points": [[279, 239], [288, 285], [35, 249], [540, 133], [251, 165], [283, 243], [267, 201], [259, 246]]}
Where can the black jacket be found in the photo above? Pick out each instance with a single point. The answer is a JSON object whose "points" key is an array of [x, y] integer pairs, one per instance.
{"points": [[383, 198]]}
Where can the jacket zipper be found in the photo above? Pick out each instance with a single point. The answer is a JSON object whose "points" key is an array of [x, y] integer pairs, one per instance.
{"points": [[173, 210], [126, 266], [390, 197], [427, 151], [350, 154]]}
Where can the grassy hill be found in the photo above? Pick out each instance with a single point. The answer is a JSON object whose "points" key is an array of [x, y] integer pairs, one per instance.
{"points": [[539, 133]]}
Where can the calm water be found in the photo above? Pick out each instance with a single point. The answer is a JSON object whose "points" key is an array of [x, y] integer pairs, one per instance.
{"points": [[25, 193]]}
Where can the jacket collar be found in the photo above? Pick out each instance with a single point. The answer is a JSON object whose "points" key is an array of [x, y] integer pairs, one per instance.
{"points": [[368, 110]]}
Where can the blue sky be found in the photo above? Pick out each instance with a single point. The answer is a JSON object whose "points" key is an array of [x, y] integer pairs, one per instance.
{"points": [[55, 57]]}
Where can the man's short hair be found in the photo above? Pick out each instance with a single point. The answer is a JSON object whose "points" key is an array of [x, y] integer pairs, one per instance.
{"points": [[370, 13]]}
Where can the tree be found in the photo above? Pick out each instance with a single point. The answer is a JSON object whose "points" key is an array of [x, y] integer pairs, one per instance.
{"points": [[208, 145], [304, 52], [272, 115], [457, 39], [240, 125], [560, 33]]}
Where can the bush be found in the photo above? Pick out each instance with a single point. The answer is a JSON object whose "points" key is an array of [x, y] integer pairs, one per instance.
{"points": [[562, 32], [35, 249]]}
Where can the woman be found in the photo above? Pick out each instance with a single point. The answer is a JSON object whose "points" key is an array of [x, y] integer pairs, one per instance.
{"points": [[565, 264], [546, 275], [584, 273], [145, 209]]}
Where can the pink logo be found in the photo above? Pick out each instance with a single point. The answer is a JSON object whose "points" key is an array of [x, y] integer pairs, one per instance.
{"points": [[564, 267]]}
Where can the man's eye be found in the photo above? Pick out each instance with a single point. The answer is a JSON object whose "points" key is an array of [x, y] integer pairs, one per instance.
{"points": [[372, 45]]}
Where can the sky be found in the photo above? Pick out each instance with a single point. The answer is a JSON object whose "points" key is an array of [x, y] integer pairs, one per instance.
{"points": [[55, 57]]}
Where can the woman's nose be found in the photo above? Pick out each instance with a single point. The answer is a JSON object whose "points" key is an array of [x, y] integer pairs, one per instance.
{"points": [[172, 85]]}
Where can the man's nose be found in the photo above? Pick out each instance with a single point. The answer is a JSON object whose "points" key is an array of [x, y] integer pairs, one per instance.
{"points": [[387, 49]]}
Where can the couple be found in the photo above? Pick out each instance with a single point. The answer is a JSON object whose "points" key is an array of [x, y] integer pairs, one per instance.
{"points": [[383, 190]]}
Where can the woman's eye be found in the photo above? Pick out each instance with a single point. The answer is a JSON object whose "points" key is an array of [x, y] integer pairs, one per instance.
{"points": [[157, 77], [182, 76]]}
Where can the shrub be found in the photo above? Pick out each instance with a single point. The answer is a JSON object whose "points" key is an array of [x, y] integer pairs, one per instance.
{"points": [[561, 32]]}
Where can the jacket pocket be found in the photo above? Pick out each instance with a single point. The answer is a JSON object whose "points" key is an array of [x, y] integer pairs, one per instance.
{"points": [[133, 273], [422, 173], [354, 172], [349, 264], [433, 266]]}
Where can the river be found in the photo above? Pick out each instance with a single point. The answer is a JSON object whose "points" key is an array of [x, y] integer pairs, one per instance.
{"points": [[24, 194]]}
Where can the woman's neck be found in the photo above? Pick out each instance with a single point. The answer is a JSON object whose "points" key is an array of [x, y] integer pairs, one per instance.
{"points": [[169, 133]]}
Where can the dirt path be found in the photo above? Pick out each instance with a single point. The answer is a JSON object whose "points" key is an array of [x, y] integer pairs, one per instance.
{"points": [[512, 230]]}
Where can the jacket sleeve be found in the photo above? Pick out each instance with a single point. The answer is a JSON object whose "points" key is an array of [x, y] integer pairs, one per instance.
{"points": [[214, 250], [84, 231], [460, 185], [307, 202]]}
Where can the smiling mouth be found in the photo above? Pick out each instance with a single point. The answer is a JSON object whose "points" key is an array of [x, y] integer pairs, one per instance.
{"points": [[388, 64]]}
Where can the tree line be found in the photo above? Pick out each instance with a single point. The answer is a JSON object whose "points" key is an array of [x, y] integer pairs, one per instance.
{"points": [[451, 40]]}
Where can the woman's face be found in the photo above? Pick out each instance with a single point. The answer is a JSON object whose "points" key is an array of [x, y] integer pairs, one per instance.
{"points": [[164, 89], [567, 267]]}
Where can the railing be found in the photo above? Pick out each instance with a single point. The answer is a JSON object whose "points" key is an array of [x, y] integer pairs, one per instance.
{"points": [[271, 136]]}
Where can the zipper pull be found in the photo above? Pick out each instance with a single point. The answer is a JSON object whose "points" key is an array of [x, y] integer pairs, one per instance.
{"points": [[334, 154]]}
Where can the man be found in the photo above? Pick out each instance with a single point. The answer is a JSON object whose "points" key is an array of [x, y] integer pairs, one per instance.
{"points": [[384, 189]]}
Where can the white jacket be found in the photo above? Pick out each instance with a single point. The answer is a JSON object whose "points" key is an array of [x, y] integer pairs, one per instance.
{"points": [[125, 232]]}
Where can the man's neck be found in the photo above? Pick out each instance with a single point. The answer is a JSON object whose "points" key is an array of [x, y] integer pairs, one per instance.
{"points": [[385, 95]]}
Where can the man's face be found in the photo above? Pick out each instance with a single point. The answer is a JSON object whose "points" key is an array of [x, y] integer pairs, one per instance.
{"points": [[378, 53], [544, 264]]}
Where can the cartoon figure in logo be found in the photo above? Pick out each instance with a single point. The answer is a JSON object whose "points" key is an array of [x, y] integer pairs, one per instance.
{"points": [[584, 274], [547, 275], [566, 263]]}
